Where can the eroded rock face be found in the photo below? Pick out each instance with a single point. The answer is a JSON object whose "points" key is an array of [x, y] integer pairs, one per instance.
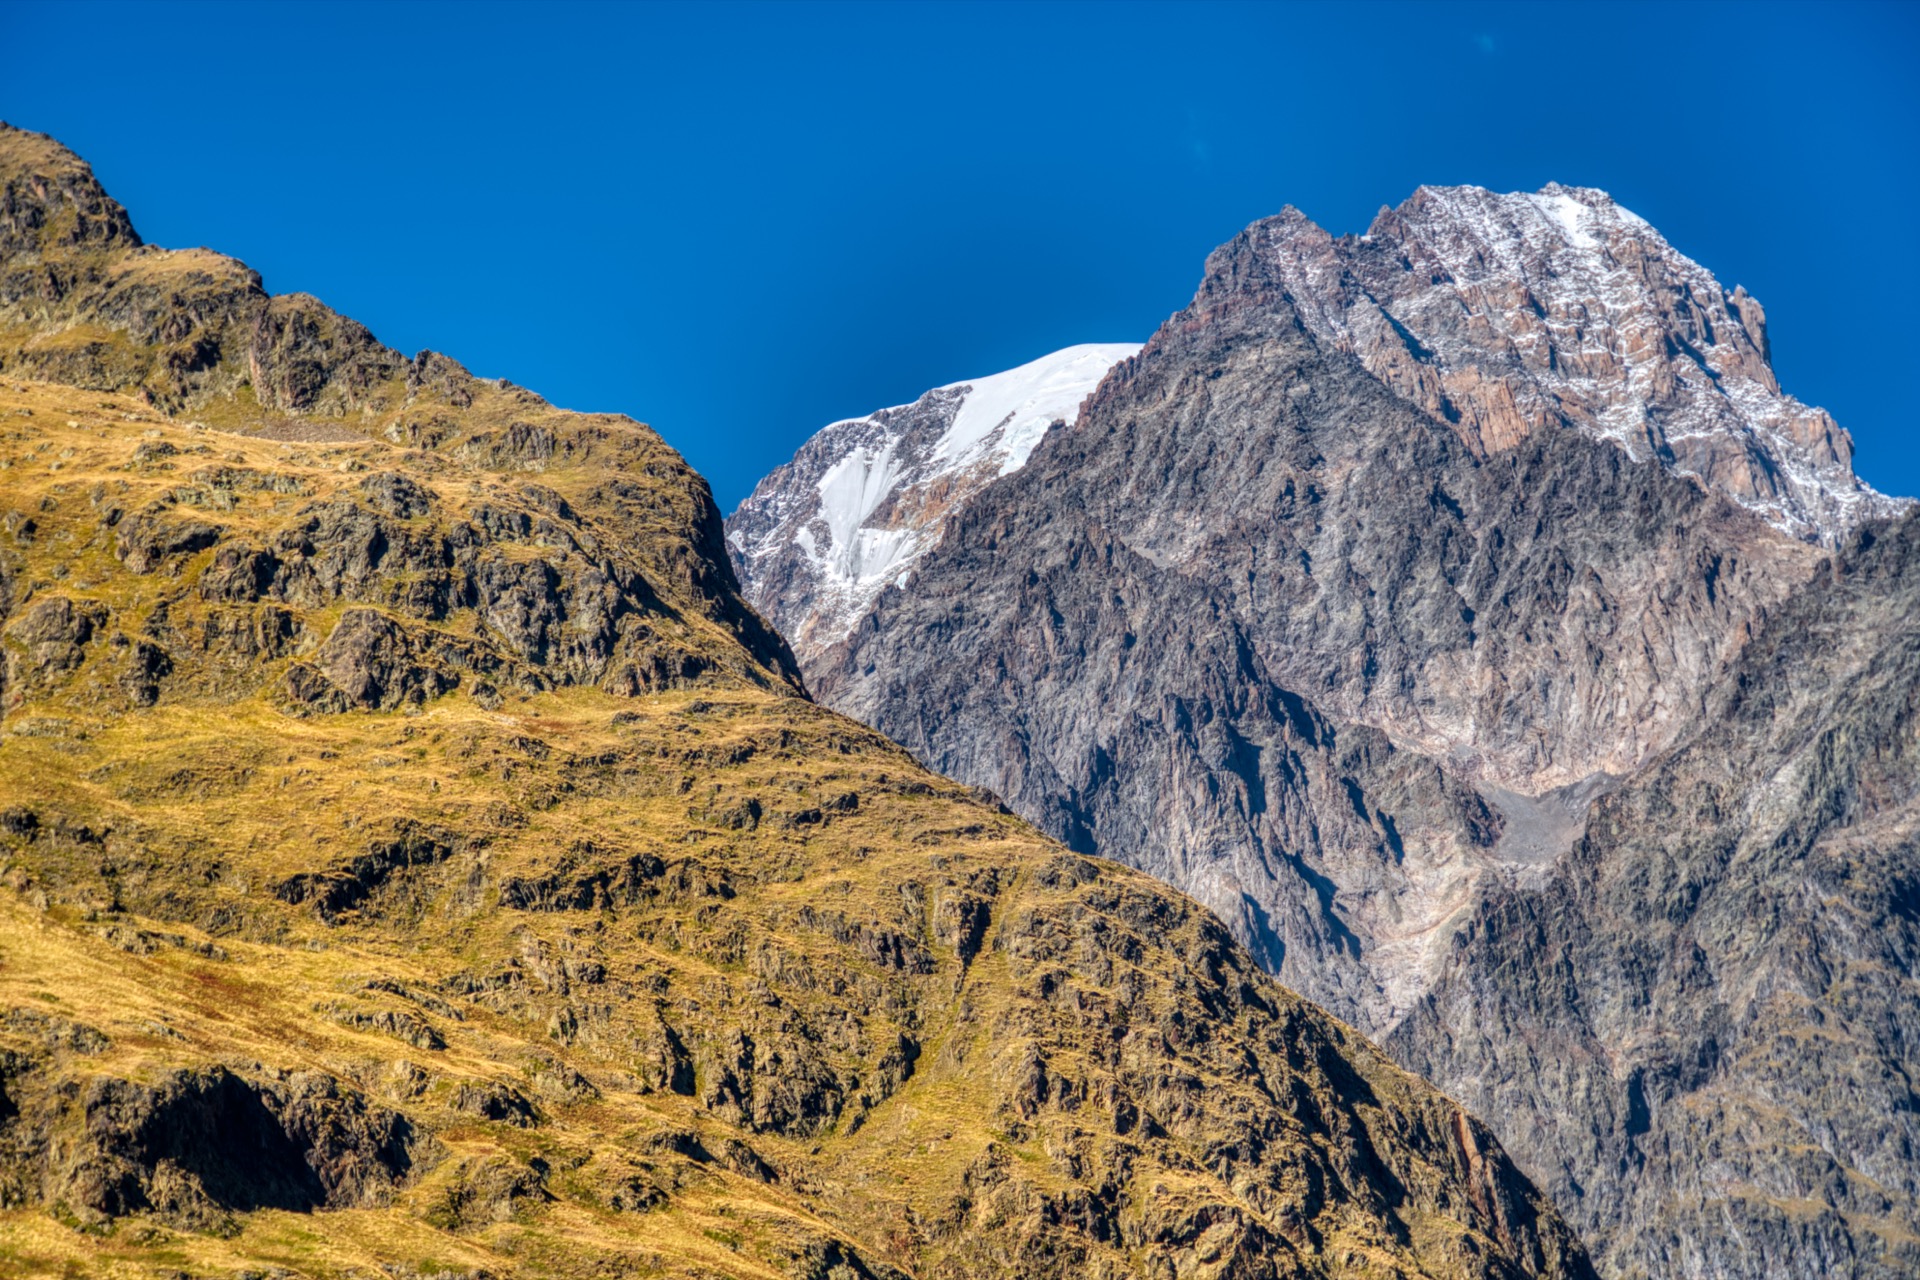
{"points": [[304, 357], [202, 1144], [1362, 674], [1707, 1010], [50, 638], [49, 202]]}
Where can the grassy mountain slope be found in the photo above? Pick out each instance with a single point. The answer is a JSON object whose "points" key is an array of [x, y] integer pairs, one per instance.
{"points": [[415, 859]]}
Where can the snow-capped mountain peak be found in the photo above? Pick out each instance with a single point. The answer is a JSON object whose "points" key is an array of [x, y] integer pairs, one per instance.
{"points": [[820, 538], [1004, 415]]}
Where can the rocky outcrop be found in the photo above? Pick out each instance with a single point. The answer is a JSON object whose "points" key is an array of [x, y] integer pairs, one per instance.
{"points": [[49, 200], [49, 639], [525, 907], [200, 1145], [1361, 673]]}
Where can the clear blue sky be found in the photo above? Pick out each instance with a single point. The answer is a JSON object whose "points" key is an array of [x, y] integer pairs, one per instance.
{"points": [[739, 222]]}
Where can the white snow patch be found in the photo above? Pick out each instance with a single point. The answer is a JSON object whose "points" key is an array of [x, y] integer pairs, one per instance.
{"points": [[1569, 215], [1000, 419], [851, 490], [1009, 412]]}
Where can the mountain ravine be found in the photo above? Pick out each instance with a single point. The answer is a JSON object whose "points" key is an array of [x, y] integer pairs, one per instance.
{"points": [[416, 860], [1466, 615]]}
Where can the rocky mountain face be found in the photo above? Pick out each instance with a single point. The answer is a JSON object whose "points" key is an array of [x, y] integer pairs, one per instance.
{"points": [[1424, 666], [415, 859], [821, 537], [1500, 314], [1703, 1017]]}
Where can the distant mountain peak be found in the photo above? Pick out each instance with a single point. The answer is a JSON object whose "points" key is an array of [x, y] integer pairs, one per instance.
{"points": [[820, 538], [1464, 614], [1507, 313]]}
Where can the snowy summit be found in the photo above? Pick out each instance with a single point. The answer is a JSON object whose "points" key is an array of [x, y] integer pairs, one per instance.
{"points": [[820, 538]]}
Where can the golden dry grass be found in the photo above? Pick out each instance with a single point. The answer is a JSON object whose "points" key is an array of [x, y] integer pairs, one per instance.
{"points": [[885, 1020]]}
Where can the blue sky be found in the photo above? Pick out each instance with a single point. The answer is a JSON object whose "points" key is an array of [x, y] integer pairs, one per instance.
{"points": [[739, 222]]}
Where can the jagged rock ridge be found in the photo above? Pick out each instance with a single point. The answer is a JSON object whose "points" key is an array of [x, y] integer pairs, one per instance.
{"points": [[1361, 674], [415, 860], [821, 537]]}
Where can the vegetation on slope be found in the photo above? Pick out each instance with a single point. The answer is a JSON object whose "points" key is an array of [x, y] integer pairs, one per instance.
{"points": [[414, 859]]}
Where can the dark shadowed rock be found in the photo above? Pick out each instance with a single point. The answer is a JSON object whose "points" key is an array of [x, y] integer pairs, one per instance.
{"points": [[203, 1143]]}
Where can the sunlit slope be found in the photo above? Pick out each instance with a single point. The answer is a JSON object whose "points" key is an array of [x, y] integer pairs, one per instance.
{"points": [[414, 859]]}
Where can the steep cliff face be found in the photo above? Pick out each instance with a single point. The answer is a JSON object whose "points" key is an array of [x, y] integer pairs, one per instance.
{"points": [[1354, 670], [1713, 998], [821, 537], [415, 860]]}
